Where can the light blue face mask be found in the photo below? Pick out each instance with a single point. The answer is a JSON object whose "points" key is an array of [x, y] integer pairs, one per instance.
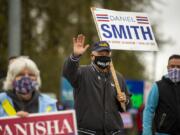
{"points": [[174, 74]]}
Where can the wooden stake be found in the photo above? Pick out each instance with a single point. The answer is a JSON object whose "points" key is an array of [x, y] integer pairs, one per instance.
{"points": [[118, 89]]}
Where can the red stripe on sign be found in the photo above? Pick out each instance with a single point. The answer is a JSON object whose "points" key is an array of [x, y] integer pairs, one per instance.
{"points": [[101, 14], [103, 20]]}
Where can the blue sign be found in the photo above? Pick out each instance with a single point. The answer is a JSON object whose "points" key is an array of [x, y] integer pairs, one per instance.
{"points": [[66, 94], [136, 87]]}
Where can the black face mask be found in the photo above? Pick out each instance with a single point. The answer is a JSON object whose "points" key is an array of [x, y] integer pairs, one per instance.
{"points": [[102, 61]]}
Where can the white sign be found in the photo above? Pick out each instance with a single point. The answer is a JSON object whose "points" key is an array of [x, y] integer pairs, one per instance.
{"points": [[124, 30]]}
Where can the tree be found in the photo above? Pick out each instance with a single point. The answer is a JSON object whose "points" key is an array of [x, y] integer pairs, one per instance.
{"points": [[47, 31]]}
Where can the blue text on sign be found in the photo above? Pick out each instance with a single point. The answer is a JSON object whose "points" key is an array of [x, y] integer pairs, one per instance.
{"points": [[126, 32]]}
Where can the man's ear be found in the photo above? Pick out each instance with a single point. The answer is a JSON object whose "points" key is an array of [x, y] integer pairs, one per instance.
{"points": [[92, 57], [110, 54]]}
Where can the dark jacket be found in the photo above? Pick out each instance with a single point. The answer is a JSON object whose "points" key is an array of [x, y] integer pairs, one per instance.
{"points": [[95, 97], [27, 106], [9, 104], [167, 117]]}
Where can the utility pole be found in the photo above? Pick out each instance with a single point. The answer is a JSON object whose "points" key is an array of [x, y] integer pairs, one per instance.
{"points": [[14, 31]]}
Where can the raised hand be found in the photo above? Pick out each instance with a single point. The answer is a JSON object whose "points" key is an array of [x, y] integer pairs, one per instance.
{"points": [[78, 45]]}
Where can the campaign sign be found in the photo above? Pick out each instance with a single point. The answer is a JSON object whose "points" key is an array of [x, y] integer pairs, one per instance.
{"points": [[127, 120], [136, 88], [66, 94], [56, 123], [124, 30]]}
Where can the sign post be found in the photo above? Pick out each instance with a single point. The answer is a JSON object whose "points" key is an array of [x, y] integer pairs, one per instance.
{"points": [[118, 88], [124, 31]]}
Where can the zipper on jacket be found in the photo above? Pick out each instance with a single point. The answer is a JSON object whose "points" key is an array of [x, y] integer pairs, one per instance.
{"points": [[104, 101], [162, 120]]}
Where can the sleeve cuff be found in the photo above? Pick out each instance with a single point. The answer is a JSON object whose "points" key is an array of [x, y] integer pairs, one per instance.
{"points": [[73, 58]]}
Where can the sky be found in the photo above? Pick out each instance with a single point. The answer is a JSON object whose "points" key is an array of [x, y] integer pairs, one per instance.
{"points": [[167, 16]]}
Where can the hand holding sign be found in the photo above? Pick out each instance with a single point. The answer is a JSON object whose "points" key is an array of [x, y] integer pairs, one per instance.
{"points": [[78, 45], [56, 123], [121, 97], [22, 114]]}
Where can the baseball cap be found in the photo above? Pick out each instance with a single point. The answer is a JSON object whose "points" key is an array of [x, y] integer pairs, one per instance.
{"points": [[100, 46]]}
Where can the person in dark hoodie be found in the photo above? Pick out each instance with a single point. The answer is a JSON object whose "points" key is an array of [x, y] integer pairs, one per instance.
{"points": [[21, 94], [97, 103]]}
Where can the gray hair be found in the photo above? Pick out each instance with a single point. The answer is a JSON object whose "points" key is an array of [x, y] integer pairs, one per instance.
{"points": [[16, 67]]}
